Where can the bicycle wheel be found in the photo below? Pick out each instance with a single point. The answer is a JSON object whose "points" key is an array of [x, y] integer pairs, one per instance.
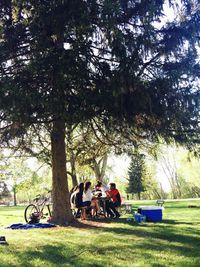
{"points": [[45, 212], [29, 210]]}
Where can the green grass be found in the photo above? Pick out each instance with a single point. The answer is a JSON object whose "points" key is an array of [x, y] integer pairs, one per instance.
{"points": [[173, 242]]}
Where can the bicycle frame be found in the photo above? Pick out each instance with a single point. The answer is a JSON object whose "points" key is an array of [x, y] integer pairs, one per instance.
{"points": [[42, 205]]}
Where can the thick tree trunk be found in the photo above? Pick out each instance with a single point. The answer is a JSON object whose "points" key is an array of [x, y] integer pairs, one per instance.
{"points": [[60, 193]]}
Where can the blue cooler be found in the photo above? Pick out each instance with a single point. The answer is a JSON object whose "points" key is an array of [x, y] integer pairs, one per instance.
{"points": [[152, 213]]}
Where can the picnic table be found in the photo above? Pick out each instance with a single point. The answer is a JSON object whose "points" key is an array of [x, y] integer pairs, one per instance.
{"points": [[102, 203]]}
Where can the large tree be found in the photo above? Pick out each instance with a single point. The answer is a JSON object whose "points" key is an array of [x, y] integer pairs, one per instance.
{"points": [[67, 61]]}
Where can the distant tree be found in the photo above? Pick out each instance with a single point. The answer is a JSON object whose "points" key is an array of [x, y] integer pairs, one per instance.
{"points": [[196, 191], [4, 191], [33, 185], [86, 146], [167, 162], [179, 168], [188, 169], [69, 61], [137, 173], [90, 144], [153, 189], [21, 178]]}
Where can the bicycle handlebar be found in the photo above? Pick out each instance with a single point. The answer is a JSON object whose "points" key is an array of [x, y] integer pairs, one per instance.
{"points": [[37, 197]]}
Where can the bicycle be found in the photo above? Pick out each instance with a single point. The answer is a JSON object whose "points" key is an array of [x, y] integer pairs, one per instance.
{"points": [[40, 209]]}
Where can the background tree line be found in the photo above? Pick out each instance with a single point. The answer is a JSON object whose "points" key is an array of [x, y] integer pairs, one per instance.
{"points": [[20, 182]]}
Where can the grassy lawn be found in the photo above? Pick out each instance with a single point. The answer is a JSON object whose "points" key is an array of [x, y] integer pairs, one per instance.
{"points": [[173, 242]]}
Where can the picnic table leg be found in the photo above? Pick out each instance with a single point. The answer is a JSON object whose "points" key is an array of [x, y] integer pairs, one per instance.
{"points": [[104, 208]]}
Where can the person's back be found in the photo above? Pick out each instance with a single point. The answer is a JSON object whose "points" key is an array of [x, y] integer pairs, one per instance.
{"points": [[79, 199]]}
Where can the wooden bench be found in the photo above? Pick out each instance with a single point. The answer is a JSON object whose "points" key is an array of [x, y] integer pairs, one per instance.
{"points": [[160, 202]]}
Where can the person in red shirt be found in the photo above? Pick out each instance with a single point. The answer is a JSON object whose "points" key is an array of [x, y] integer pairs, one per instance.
{"points": [[113, 202]]}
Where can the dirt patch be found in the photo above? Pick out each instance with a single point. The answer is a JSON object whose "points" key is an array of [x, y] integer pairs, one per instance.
{"points": [[89, 224], [101, 223]]}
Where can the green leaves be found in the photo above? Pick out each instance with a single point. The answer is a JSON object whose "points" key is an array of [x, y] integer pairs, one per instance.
{"points": [[84, 59]]}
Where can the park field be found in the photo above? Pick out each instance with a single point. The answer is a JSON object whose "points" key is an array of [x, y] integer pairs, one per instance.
{"points": [[173, 242]]}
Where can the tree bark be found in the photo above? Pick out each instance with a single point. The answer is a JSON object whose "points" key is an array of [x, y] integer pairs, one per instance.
{"points": [[99, 168], [15, 196], [61, 214], [73, 169]]}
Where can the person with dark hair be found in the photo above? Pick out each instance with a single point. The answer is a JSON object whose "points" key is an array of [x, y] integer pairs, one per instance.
{"points": [[88, 199], [76, 199], [114, 201], [100, 195], [87, 194], [97, 189], [100, 189], [73, 190]]}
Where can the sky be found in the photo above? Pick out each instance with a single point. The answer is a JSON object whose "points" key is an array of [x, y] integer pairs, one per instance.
{"points": [[119, 165]]}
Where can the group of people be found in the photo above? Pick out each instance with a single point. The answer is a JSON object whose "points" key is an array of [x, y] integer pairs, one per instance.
{"points": [[83, 197]]}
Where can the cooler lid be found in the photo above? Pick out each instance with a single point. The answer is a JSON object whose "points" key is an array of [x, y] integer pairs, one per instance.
{"points": [[150, 208]]}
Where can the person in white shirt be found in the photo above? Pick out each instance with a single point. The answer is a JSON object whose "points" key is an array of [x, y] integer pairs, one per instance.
{"points": [[88, 200]]}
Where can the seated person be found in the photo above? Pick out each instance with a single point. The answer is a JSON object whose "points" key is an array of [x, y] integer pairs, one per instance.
{"points": [[100, 194], [100, 189], [76, 199], [114, 202], [88, 200]]}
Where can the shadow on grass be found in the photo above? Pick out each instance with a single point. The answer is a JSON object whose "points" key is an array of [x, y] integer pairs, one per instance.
{"points": [[167, 235], [63, 255], [50, 255], [100, 223], [148, 239], [175, 222], [164, 236]]}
